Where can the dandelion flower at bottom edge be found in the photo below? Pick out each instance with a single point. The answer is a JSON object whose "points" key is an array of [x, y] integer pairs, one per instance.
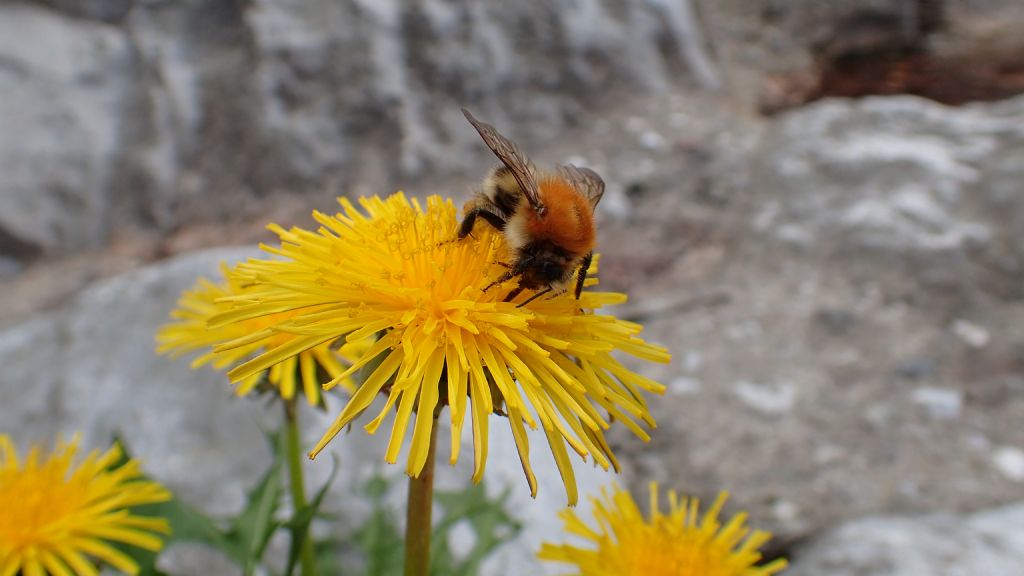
{"points": [[677, 543], [59, 519]]}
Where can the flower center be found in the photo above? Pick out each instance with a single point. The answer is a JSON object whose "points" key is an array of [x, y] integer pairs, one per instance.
{"points": [[34, 505]]}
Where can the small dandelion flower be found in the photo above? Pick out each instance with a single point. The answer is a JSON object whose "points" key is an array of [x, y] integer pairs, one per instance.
{"points": [[395, 276], [55, 516], [678, 543], [189, 332]]}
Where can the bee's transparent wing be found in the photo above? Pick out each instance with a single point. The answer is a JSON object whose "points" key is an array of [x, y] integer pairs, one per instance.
{"points": [[585, 180], [510, 155]]}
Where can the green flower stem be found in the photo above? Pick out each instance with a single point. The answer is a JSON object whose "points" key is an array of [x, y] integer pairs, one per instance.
{"points": [[417, 520], [306, 558]]}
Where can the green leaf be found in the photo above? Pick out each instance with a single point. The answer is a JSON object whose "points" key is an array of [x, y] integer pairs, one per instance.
{"points": [[251, 530], [303, 517], [488, 518], [328, 558], [383, 544], [378, 538], [189, 524]]}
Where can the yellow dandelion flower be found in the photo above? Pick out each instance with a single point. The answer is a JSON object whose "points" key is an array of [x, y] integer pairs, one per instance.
{"points": [[54, 517], [395, 276], [190, 332], [675, 544]]}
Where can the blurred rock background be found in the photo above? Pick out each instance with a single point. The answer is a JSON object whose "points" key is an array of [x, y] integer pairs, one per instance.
{"points": [[817, 206]]}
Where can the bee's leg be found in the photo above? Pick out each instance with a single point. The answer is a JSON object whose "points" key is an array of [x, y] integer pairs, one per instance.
{"points": [[516, 269], [556, 294], [515, 292], [530, 299], [581, 276], [512, 273], [467, 223]]}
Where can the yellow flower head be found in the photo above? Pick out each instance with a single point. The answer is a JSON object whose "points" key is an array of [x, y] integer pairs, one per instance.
{"points": [[190, 332], [675, 544], [54, 516], [395, 275]]}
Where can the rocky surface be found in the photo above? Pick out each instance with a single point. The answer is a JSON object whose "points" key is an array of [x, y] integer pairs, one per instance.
{"points": [[987, 542], [155, 114], [898, 175], [844, 303], [62, 127], [779, 54]]}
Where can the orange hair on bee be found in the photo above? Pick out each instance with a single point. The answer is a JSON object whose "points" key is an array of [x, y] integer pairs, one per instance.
{"points": [[569, 220]]}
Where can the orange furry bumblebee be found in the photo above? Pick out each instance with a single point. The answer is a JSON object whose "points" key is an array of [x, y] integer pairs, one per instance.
{"points": [[547, 218]]}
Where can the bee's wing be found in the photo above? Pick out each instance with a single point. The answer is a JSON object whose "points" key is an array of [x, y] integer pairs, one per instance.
{"points": [[510, 155], [585, 180]]}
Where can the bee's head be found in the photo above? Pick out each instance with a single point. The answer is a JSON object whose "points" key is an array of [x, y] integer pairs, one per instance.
{"points": [[543, 264], [549, 272]]}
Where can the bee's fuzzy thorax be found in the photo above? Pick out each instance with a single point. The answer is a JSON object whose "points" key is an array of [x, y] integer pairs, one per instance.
{"points": [[569, 220], [547, 218]]}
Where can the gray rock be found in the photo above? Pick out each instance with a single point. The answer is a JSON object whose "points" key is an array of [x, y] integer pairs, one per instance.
{"points": [[768, 399], [916, 368], [972, 334], [66, 85], [941, 403], [898, 174], [828, 427], [851, 367], [417, 64], [777, 54], [989, 542], [103, 10], [9, 267], [837, 322], [154, 114], [1010, 461], [901, 183]]}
